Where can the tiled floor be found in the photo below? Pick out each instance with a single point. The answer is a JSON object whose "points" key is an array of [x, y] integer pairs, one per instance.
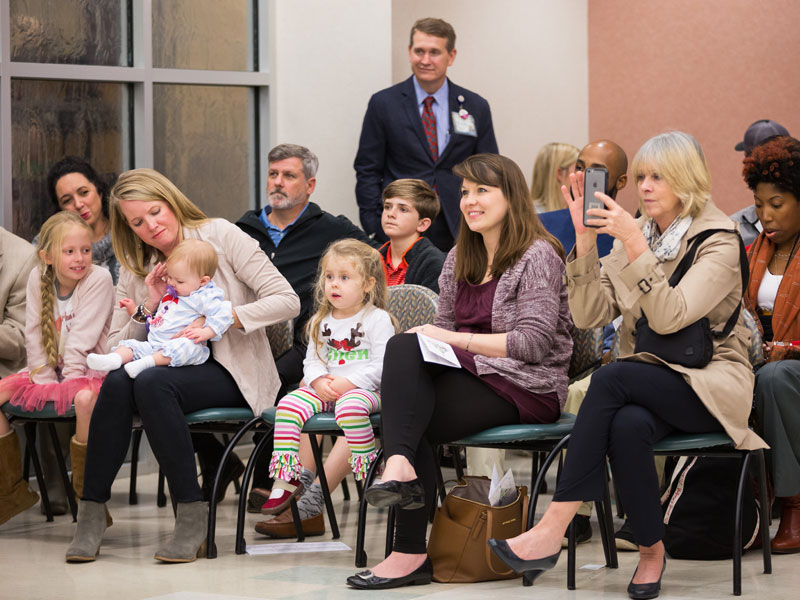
{"points": [[32, 564]]}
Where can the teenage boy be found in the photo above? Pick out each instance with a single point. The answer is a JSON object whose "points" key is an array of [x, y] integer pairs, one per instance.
{"points": [[409, 208]]}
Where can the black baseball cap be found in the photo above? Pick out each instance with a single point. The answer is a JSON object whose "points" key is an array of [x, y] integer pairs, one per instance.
{"points": [[758, 132]]}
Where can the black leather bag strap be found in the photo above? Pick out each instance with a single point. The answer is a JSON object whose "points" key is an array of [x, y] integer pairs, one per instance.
{"points": [[688, 260]]}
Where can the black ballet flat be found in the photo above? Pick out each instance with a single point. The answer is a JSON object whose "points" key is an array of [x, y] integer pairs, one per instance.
{"points": [[365, 580], [409, 495], [530, 569], [645, 591]]}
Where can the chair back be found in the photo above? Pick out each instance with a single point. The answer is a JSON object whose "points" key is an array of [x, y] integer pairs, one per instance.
{"points": [[412, 305], [587, 349], [280, 336]]}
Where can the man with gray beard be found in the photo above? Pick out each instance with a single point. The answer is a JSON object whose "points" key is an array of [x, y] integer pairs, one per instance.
{"points": [[294, 233]]}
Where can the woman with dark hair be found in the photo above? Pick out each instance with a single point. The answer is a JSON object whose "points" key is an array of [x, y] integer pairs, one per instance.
{"points": [[73, 184], [503, 308], [633, 403], [772, 171]]}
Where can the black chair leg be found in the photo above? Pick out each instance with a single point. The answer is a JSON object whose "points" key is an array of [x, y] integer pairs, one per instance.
{"points": [[161, 497], [211, 547], [456, 452], [237, 487], [323, 482], [390, 524], [240, 545], [30, 447], [764, 510], [359, 489], [361, 556], [62, 468], [551, 456], [737, 528], [571, 555], [133, 497]]}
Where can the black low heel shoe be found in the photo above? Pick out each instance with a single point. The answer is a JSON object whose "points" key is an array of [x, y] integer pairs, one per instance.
{"points": [[365, 580], [645, 591], [404, 494], [530, 569]]}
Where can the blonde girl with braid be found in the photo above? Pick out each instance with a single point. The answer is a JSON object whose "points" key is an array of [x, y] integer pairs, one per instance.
{"points": [[68, 315]]}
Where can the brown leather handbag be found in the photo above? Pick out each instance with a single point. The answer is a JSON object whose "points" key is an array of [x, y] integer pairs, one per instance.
{"points": [[462, 526]]}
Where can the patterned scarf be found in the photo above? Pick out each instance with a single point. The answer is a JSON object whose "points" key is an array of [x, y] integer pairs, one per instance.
{"points": [[785, 322], [666, 245]]}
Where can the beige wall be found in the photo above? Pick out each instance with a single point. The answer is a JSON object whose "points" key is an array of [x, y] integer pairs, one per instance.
{"points": [[708, 68], [327, 58], [526, 57]]}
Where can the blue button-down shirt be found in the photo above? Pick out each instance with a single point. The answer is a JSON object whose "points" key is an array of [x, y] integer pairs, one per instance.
{"points": [[441, 110], [276, 234]]}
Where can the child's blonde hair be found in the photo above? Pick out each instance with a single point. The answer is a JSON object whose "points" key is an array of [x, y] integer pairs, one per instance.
{"points": [[198, 255], [50, 238], [367, 262]]}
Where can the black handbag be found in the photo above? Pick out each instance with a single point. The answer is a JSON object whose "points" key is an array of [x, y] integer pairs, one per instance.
{"points": [[692, 346]]}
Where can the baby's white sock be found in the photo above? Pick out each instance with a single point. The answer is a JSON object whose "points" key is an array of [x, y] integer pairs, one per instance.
{"points": [[104, 362], [137, 366]]}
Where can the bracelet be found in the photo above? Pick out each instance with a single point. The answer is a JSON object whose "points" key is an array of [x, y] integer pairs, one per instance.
{"points": [[146, 310], [469, 341]]}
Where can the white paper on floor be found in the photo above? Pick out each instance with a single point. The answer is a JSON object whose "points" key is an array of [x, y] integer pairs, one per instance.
{"points": [[297, 547], [592, 567]]}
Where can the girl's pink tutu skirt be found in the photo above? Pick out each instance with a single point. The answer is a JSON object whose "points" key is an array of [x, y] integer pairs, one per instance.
{"points": [[34, 396]]}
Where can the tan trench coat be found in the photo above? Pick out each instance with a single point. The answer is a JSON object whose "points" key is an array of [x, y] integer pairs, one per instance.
{"points": [[601, 290]]}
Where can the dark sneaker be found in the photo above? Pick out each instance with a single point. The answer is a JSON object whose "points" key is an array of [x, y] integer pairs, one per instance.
{"points": [[624, 538], [583, 530]]}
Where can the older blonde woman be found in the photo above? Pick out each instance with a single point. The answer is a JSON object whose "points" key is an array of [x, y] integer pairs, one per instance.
{"points": [[149, 217], [554, 163], [638, 400]]}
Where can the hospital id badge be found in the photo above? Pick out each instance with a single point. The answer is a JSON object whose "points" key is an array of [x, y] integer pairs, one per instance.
{"points": [[464, 124]]}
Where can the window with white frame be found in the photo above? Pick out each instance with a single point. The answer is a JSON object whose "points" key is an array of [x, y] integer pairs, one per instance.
{"points": [[180, 86]]}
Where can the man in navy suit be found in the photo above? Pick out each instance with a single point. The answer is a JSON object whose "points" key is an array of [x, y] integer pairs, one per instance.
{"points": [[421, 128]]}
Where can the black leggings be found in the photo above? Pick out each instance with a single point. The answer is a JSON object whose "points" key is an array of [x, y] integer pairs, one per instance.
{"points": [[423, 404], [628, 408], [161, 396]]}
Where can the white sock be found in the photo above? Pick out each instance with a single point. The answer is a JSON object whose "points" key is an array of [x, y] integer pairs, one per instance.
{"points": [[137, 366], [104, 362]]}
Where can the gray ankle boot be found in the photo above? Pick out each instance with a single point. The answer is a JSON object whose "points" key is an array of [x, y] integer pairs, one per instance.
{"points": [[188, 540], [85, 545]]}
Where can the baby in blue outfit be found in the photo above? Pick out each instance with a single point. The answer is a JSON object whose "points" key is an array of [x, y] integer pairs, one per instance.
{"points": [[173, 337]]}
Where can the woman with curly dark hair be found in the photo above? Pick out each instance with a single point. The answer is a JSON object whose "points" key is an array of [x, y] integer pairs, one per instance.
{"points": [[772, 171]]}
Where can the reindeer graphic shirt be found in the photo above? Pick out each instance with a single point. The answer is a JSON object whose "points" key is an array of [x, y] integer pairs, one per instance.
{"points": [[352, 348]]}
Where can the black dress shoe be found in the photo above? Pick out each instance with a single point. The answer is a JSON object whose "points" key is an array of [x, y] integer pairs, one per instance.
{"points": [[530, 569], [645, 591], [409, 495], [365, 580]]}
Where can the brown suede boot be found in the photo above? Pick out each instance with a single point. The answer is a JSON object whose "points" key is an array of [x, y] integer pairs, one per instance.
{"points": [[77, 452], [787, 540], [15, 495]]}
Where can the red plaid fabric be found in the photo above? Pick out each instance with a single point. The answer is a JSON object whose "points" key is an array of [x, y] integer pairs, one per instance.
{"points": [[429, 125]]}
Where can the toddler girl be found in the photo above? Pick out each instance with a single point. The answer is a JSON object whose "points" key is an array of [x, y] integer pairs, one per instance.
{"points": [[173, 337], [342, 368], [68, 314]]}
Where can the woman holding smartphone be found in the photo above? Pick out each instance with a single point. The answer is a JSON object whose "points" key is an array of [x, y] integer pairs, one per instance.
{"points": [[633, 403]]}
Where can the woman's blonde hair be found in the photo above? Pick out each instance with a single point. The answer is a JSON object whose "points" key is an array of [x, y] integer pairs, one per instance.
{"points": [[521, 226], [368, 263], [51, 237], [679, 160], [545, 187], [146, 185]]}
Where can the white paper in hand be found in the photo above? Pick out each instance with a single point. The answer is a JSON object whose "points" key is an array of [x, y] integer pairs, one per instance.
{"points": [[434, 351]]}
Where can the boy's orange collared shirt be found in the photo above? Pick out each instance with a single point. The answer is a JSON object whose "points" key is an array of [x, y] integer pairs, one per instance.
{"points": [[396, 276]]}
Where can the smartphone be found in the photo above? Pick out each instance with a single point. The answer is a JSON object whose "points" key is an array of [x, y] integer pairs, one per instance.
{"points": [[595, 180]]}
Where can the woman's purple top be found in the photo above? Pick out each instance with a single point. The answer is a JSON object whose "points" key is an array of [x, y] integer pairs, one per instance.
{"points": [[473, 314]]}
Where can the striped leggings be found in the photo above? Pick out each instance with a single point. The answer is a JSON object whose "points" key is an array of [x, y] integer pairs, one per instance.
{"points": [[352, 411]]}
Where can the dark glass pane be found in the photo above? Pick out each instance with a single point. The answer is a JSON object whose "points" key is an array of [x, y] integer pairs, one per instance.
{"points": [[52, 119], [205, 143], [203, 34], [83, 32]]}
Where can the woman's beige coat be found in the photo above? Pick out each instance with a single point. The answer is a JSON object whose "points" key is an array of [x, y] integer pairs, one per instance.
{"points": [[601, 290], [260, 297]]}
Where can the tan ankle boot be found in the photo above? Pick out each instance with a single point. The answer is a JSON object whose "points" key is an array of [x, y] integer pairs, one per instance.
{"points": [[787, 540], [15, 495], [77, 452]]}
